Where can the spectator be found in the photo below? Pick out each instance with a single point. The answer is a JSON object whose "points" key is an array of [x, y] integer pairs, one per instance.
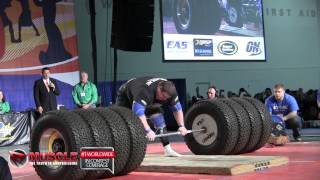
{"points": [[4, 105], [286, 107], [212, 90], [45, 91], [243, 92], [145, 96], [267, 92], [85, 93]]}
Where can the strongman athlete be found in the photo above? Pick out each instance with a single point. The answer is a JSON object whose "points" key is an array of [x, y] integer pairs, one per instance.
{"points": [[145, 96]]}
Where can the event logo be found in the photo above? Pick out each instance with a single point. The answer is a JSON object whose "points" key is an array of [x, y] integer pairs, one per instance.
{"points": [[97, 158], [53, 159], [203, 47], [5, 131], [18, 158], [227, 48], [177, 44], [253, 48]]}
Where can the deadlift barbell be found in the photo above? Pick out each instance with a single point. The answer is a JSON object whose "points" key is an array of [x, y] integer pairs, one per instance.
{"points": [[178, 133]]}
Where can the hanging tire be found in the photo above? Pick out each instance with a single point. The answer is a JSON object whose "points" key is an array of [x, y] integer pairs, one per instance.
{"points": [[102, 135], [243, 123], [60, 131], [255, 124], [196, 17], [221, 131], [120, 136], [138, 141], [265, 119]]}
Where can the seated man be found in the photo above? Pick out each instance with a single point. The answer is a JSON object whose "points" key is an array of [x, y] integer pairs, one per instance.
{"points": [[211, 93], [145, 96], [85, 93], [4, 105], [286, 107]]}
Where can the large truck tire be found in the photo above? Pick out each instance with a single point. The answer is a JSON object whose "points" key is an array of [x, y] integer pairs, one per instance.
{"points": [[243, 123], [197, 16], [102, 135], [60, 131], [120, 136], [255, 124], [138, 141], [221, 131], [234, 13], [266, 121]]}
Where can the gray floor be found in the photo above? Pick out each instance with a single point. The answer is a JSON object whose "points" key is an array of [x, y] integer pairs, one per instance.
{"points": [[308, 134]]}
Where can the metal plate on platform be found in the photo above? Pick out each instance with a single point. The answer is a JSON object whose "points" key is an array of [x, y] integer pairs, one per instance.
{"points": [[210, 164]]}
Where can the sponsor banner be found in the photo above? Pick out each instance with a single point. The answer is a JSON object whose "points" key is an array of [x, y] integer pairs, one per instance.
{"points": [[35, 34], [97, 158], [15, 128], [90, 158], [204, 47]]}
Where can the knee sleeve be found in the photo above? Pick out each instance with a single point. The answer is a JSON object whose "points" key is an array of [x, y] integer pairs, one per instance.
{"points": [[158, 121]]}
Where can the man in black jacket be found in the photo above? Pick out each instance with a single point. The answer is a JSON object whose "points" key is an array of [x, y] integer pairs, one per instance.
{"points": [[45, 91]]}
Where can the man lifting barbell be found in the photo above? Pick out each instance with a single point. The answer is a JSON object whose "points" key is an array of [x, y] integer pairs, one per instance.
{"points": [[145, 96]]}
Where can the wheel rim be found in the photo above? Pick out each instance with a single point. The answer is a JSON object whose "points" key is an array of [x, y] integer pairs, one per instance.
{"points": [[51, 140], [233, 15], [207, 122], [183, 13]]}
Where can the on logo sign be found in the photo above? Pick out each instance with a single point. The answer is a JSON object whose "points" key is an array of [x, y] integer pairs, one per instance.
{"points": [[177, 44], [254, 48]]}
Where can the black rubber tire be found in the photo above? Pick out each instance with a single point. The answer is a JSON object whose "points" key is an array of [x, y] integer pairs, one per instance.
{"points": [[120, 136], [243, 123], [138, 141], [101, 133], [255, 123], [235, 7], [266, 121], [202, 17], [227, 128], [76, 134]]}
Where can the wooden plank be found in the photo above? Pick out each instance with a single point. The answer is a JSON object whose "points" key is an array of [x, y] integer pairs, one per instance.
{"points": [[216, 165]]}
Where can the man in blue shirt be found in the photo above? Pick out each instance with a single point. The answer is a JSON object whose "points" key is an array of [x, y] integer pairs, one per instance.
{"points": [[286, 107]]}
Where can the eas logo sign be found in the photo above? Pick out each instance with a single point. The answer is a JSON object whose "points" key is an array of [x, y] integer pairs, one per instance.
{"points": [[177, 44], [227, 48], [253, 48]]}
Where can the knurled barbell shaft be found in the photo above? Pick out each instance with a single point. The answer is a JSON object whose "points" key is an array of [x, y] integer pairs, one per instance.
{"points": [[178, 133]]}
